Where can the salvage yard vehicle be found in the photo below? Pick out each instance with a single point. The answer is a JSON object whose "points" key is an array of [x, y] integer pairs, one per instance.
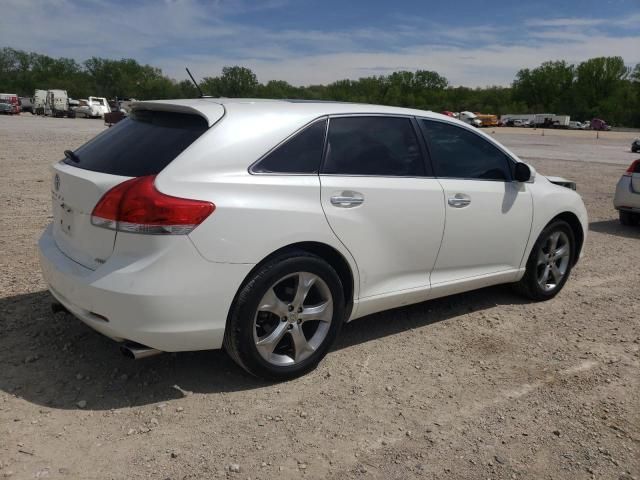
{"points": [[627, 197], [262, 226], [57, 103], [6, 108], [93, 107], [470, 118], [599, 124], [39, 101], [549, 120], [111, 118], [26, 105], [11, 99], [487, 119]]}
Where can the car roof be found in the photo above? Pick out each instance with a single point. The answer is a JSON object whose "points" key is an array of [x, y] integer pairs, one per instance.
{"points": [[208, 107]]}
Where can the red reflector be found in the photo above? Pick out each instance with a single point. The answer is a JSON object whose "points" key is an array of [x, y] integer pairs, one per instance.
{"points": [[137, 206], [633, 168]]}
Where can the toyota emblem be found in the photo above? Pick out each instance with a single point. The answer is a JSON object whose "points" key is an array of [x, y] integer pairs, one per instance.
{"points": [[56, 182]]}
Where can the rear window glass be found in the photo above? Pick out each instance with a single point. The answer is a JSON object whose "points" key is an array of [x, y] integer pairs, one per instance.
{"points": [[301, 153], [142, 144]]}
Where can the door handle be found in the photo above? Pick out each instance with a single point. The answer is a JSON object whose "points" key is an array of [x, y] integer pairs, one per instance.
{"points": [[347, 199], [459, 200]]}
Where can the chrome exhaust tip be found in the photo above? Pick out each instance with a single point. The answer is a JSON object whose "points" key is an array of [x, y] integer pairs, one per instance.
{"points": [[136, 351]]}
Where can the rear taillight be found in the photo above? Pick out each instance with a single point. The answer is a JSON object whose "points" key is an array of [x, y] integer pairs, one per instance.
{"points": [[633, 168], [136, 206]]}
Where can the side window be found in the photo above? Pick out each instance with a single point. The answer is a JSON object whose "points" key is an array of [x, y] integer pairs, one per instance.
{"points": [[385, 146], [458, 153], [301, 153]]}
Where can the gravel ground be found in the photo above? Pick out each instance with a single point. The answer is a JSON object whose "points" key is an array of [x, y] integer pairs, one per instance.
{"points": [[475, 386]]}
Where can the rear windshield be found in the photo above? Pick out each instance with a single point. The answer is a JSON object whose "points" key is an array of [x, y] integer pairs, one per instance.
{"points": [[142, 144]]}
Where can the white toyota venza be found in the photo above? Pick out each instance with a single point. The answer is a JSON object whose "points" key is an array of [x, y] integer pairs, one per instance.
{"points": [[262, 226]]}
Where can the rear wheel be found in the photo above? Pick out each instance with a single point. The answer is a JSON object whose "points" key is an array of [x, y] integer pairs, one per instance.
{"points": [[629, 218], [286, 317], [549, 263]]}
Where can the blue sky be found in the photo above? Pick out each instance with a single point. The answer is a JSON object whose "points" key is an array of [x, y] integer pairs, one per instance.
{"points": [[473, 43]]}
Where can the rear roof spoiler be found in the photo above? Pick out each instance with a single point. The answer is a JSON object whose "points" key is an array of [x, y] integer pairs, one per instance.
{"points": [[209, 110]]}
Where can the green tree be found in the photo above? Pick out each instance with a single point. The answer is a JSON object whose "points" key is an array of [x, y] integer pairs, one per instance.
{"points": [[547, 87]]}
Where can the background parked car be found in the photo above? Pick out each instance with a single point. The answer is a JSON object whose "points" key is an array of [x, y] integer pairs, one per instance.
{"points": [[11, 99], [5, 107], [627, 197], [575, 125], [635, 145]]}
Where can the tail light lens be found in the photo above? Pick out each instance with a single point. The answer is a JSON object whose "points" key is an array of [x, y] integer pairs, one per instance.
{"points": [[136, 206], [633, 168]]}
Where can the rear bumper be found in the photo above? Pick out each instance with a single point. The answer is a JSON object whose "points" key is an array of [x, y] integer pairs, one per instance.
{"points": [[625, 198], [170, 299]]}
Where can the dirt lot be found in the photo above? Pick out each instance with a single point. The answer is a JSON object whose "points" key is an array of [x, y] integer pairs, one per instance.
{"points": [[480, 385]]}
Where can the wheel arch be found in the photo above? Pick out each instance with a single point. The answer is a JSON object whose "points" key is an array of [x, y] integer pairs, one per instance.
{"points": [[326, 252], [578, 233]]}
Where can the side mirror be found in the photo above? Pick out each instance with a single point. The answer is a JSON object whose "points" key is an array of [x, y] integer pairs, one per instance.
{"points": [[522, 172]]}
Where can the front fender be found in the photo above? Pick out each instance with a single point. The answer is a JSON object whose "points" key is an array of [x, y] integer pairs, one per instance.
{"points": [[550, 201]]}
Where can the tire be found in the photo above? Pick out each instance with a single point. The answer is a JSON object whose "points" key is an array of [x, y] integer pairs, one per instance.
{"points": [[629, 218], [268, 333], [540, 281]]}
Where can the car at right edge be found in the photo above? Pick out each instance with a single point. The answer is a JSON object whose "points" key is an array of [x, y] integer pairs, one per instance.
{"points": [[627, 197]]}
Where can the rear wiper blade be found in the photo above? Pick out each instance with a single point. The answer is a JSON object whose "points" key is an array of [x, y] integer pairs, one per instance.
{"points": [[71, 156]]}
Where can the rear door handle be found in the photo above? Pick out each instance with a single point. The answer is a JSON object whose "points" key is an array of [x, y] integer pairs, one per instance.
{"points": [[459, 200], [347, 199]]}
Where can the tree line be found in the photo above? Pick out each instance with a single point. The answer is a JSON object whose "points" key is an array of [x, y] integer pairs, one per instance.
{"points": [[601, 87]]}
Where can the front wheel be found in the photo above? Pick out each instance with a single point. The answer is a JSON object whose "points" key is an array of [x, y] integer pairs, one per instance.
{"points": [[549, 263], [286, 317]]}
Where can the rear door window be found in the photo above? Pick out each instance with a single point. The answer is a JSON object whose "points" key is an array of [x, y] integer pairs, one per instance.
{"points": [[142, 144], [376, 145], [302, 153]]}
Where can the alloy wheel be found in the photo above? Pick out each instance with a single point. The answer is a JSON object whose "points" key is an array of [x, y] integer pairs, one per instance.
{"points": [[293, 319], [553, 260]]}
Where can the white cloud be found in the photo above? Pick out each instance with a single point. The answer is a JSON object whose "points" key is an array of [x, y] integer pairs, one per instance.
{"points": [[178, 33]]}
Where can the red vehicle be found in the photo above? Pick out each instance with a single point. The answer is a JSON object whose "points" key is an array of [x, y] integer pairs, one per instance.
{"points": [[448, 113], [599, 124], [11, 99]]}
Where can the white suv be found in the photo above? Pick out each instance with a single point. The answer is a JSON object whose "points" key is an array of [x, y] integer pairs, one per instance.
{"points": [[262, 226]]}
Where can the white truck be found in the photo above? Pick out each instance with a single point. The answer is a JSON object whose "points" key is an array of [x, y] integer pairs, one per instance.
{"points": [[39, 101], [93, 107], [517, 120], [57, 104], [470, 118], [551, 120]]}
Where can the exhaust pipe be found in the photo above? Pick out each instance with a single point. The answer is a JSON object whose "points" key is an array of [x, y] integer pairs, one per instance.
{"points": [[136, 351]]}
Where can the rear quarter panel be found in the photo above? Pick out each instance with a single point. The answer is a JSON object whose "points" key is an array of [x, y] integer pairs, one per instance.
{"points": [[255, 215]]}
